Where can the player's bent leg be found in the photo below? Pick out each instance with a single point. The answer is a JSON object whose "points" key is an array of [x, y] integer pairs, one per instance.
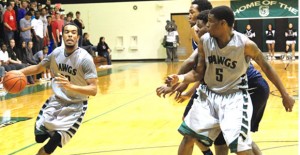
{"points": [[235, 124], [41, 138], [255, 149], [205, 150], [221, 149], [186, 146], [52, 144], [220, 145]]}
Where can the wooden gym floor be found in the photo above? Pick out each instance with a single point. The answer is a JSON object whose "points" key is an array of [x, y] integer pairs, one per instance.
{"points": [[127, 118]]}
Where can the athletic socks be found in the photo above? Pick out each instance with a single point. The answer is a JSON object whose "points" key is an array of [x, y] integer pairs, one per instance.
{"points": [[207, 152]]}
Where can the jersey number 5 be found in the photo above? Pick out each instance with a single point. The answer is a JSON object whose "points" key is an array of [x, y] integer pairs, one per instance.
{"points": [[219, 74]]}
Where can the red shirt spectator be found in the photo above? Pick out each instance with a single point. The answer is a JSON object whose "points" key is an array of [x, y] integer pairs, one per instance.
{"points": [[9, 17], [55, 30]]}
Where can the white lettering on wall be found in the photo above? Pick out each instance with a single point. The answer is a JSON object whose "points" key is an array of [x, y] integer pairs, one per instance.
{"points": [[265, 3]]}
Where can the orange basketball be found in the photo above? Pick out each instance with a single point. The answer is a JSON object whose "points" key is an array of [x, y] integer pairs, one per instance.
{"points": [[14, 82]]}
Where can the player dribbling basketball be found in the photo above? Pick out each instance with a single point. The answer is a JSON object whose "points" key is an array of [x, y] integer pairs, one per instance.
{"points": [[76, 79]]}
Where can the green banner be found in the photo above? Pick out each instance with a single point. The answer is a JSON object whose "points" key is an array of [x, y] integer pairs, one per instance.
{"points": [[264, 8]]}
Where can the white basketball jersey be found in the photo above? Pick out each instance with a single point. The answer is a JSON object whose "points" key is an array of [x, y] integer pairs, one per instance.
{"points": [[226, 67], [77, 67]]}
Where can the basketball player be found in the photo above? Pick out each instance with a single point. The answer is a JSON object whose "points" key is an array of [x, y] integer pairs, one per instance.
{"points": [[194, 11], [75, 80], [223, 101], [291, 36], [259, 93], [270, 40], [196, 7]]}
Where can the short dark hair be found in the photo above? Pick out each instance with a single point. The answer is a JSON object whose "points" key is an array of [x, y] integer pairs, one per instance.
{"points": [[70, 14], [203, 16], [28, 13], [73, 24], [84, 34], [223, 12], [202, 5]]}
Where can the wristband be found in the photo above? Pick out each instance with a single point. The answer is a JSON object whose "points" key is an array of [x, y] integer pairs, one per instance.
{"points": [[180, 78]]}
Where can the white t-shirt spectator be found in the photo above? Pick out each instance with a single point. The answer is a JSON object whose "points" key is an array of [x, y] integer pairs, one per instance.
{"points": [[4, 56], [38, 27]]}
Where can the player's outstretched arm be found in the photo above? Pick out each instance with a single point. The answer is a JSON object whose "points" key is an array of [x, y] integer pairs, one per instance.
{"points": [[254, 52], [32, 70], [193, 75], [188, 63]]}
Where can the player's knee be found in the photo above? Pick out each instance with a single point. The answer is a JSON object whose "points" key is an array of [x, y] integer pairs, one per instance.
{"points": [[221, 149], [188, 140], [41, 138], [220, 140], [54, 141]]}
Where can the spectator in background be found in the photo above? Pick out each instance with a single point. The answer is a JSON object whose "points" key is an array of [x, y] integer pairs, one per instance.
{"points": [[29, 54], [56, 8], [14, 6], [25, 28], [104, 50], [10, 23], [31, 10], [33, 5], [52, 13], [48, 5], [270, 40], [38, 57], [69, 18], [1, 21], [8, 62], [87, 45], [55, 30], [38, 32], [14, 55], [39, 7], [22, 10], [25, 60], [50, 35], [291, 37], [249, 32], [60, 24], [14, 52], [23, 52], [78, 21], [43, 17]]}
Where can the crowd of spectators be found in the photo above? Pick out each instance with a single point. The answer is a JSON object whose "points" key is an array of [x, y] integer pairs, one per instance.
{"points": [[29, 31]]}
